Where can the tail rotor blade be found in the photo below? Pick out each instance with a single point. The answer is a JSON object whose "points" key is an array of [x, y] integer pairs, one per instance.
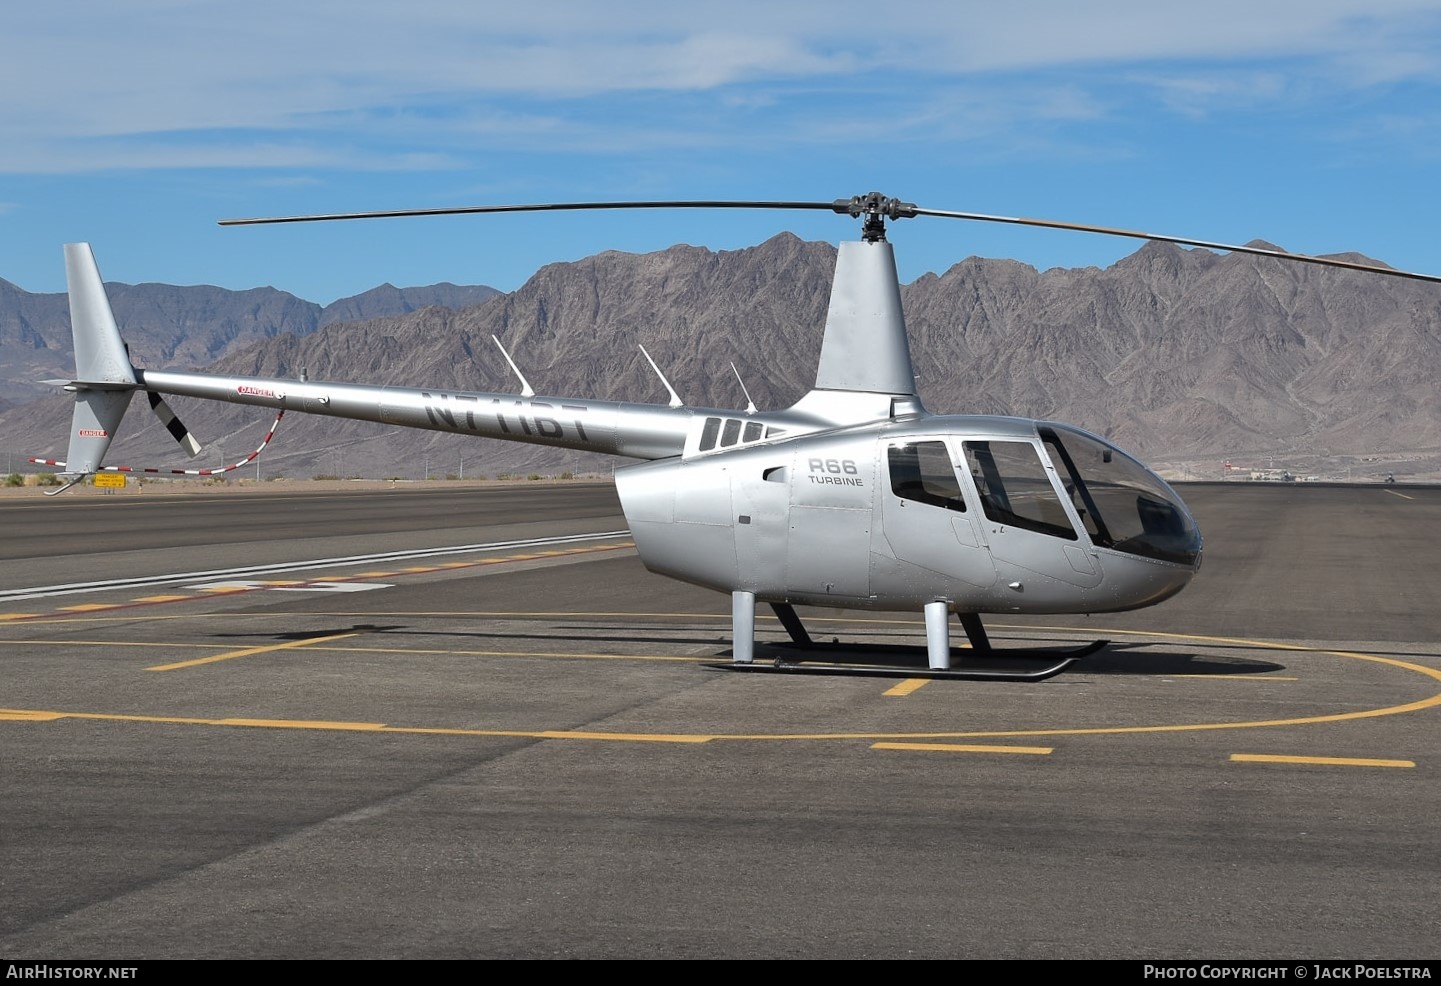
{"points": [[177, 430]]}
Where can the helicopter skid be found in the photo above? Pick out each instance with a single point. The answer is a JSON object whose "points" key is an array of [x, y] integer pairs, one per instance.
{"points": [[993, 670]]}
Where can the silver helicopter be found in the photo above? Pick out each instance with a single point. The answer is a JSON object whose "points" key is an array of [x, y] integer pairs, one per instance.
{"points": [[856, 497]]}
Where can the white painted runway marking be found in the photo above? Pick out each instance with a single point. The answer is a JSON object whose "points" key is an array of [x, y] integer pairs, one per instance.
{"points": [[304, 587], [298, 566]]}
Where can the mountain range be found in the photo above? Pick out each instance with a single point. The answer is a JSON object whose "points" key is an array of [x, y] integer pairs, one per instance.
{"points": [[1187, 358]]}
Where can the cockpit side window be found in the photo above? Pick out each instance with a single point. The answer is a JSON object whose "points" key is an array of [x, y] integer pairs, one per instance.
{"points": [[1015, 489], [1076, 488], [923, 471]]}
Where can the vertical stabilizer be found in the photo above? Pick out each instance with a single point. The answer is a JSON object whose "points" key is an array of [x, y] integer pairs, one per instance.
{"points": [[100, 356], [92, 428], [104, 378], [865, 346]]}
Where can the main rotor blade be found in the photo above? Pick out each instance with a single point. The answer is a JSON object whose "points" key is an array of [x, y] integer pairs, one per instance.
{"points": [[1137, 235], [543, 207], [874, 206]]}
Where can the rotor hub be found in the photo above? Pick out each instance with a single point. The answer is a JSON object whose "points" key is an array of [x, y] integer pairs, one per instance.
{"points": [[876, 208]]}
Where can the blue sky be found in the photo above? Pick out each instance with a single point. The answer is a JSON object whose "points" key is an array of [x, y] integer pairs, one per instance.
{"points": [[136, 125]]}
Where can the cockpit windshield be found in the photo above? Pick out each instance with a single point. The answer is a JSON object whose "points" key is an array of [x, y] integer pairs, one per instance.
{"points": [[1123, 505]]}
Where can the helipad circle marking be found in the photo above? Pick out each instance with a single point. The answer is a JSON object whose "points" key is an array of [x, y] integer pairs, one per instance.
{"points": [[673, 737]]}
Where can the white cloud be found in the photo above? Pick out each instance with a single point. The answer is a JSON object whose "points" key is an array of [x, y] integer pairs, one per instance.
{"points": [[212, 83]]}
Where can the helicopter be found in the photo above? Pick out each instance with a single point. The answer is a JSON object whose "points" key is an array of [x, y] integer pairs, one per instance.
{"points": [[856, 497]]}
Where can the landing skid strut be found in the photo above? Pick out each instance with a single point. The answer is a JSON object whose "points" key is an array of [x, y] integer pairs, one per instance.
{"points": [[781, 666], [982, 662]]}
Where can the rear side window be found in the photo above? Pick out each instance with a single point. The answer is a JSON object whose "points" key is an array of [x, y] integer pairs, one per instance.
{"points": [[922, 471], [708, 434]]}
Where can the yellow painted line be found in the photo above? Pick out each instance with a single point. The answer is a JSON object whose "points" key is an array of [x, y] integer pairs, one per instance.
{"points": [[367, 727], [204, 591], [504, 559], [684, 738], [413, 651], [1426, 703], [1329, 761], [1401, 495], [501, 560], [498, 614], [962, 748], [907, 687], [303, 724], [1244, 641], [565, 655], [106, 717], [628, 737], [249, 651], [147, 644], [528, 614]]}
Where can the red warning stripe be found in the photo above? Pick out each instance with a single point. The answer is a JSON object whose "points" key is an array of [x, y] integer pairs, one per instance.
{"points": [[182, 472]]}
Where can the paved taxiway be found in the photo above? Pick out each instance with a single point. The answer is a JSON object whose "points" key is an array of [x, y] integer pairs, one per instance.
{"points": [[254, 748]]}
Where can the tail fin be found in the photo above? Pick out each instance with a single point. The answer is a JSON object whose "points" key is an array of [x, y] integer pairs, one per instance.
{"points": [[104, 378]]}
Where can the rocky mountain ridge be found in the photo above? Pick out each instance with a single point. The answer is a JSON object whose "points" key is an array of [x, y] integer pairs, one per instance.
{"points": [[173, 327], [1185, 357]]}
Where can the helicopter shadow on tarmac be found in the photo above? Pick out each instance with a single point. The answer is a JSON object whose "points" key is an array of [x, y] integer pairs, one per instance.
{"points": [[1031, 664], [870, 658]]}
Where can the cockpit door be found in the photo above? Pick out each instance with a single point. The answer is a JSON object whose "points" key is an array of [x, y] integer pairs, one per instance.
{"points": [[927, 518], [1027, 524]]}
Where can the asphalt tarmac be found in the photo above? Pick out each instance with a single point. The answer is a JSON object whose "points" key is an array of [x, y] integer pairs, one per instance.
{"points": [[450, 723]]}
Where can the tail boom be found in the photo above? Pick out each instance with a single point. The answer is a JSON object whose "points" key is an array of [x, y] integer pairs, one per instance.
{"points": [[642, 431]]}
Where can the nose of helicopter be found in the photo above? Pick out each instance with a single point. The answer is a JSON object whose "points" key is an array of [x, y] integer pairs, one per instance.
{"points": [[1134, 582], [1126, 506]]}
